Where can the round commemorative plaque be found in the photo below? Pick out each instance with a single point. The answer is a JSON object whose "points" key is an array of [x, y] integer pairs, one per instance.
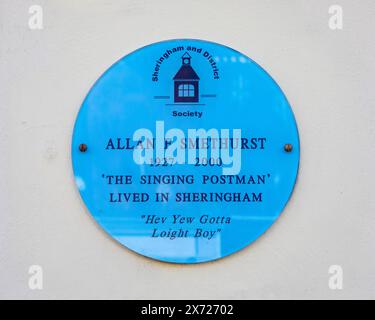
{"points": [[185, 151]]}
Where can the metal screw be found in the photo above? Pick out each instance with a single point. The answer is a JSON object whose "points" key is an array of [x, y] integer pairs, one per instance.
{"points": [[288, 147], [82, 147]]}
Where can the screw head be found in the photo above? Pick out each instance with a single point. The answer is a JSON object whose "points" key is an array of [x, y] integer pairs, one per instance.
{"points": [[82, 147], [288, 147]]}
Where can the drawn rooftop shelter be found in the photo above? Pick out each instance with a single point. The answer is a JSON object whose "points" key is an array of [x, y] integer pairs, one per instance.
{"points": [[186, 82]]}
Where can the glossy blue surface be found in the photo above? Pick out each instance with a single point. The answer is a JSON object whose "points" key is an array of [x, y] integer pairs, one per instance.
{"points": [[238, 95]]}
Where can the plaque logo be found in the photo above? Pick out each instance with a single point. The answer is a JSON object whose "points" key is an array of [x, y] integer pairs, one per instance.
{"points": [[186, 82]]}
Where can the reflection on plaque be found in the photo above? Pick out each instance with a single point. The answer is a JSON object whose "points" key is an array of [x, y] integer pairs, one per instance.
{"points": [[185, 151]]}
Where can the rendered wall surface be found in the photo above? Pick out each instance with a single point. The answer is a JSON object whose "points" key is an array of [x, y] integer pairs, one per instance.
{"points": [[328, 77]]}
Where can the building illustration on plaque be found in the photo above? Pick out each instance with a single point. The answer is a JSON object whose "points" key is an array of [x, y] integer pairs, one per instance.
{"points": [[186, 82]]}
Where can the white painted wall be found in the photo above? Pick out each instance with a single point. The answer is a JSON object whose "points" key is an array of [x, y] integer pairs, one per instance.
{"points": [[328, 77]]}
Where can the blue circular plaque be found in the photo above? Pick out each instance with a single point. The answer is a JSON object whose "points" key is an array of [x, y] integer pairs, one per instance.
{"points": [[185, 151]]}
